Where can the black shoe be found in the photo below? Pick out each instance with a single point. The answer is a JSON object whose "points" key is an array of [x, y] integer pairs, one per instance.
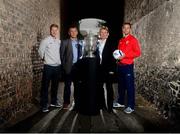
{"points": [[75, 109], [110, 111], [104, 108]]}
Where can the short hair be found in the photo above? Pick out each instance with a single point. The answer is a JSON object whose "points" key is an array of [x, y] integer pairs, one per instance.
{"points": [[73, 26], [104, 28], [127, 23], [54, 25]]}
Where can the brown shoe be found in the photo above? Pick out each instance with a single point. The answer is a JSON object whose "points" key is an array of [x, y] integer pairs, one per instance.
{"points": [[65, 106]]}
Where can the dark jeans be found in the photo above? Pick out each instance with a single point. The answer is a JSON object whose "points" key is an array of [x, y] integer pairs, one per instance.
{"points": [[126, 82], [50, 74]]}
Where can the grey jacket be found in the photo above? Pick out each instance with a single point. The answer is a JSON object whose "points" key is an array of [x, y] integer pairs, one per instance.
{"points": [[66, 55]]}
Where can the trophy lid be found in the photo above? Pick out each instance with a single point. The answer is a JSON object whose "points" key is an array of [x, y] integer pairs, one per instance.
{"points": [[90, 26]]}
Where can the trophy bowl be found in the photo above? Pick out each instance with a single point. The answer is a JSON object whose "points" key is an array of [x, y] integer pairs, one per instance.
{"points": [[90, 45], [89, 29]]}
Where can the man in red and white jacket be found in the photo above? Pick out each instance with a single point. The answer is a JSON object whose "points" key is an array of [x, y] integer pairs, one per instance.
{"points": [[130, 47]]}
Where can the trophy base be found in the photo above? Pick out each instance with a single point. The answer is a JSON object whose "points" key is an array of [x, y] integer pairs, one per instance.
{"points": [[90, 55]]}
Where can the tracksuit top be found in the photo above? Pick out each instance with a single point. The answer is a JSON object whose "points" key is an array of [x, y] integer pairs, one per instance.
{"points": [[131, 48]]}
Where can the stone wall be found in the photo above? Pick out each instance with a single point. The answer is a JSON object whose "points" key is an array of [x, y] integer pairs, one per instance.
{"points": [[156, 25], [23, 23], [136, 9]]}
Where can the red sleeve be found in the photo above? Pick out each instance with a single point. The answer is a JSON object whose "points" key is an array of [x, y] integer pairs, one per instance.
{"points": [[136, 51]]}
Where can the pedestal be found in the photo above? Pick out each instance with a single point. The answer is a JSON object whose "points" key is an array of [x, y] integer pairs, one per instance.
{"points": [[85, 73]]}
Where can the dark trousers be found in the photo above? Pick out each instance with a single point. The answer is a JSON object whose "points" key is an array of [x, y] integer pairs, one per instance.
{"points": [[67, 89], [107, 79], [126, 82], [50, 74]]}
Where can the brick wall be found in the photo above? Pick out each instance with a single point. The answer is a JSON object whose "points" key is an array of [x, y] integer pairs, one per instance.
{"points": [[23, 23], [156, 25]]}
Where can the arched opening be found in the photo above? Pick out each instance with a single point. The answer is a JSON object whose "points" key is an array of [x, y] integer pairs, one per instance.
{"points": [[111, 12]]}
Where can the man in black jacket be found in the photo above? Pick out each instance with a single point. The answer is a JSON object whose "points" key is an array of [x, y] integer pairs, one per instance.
{"points": [[106, 69]]}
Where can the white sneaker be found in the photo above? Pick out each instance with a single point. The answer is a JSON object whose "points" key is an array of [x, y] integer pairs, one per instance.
{"points": [[128, 110], [116, 105], [45, 110], [56, 105]]}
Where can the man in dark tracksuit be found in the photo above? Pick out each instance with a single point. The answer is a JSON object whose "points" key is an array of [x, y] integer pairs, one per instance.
{"points": [[129, 45]]}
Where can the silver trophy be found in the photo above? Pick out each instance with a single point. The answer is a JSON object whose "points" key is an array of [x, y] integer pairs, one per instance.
{"points": [[90, 45], [89, 29]]}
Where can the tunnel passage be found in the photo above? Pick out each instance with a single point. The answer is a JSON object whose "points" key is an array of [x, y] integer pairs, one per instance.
{"points": [[155, 24], [24, 23], [111, 12]]}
